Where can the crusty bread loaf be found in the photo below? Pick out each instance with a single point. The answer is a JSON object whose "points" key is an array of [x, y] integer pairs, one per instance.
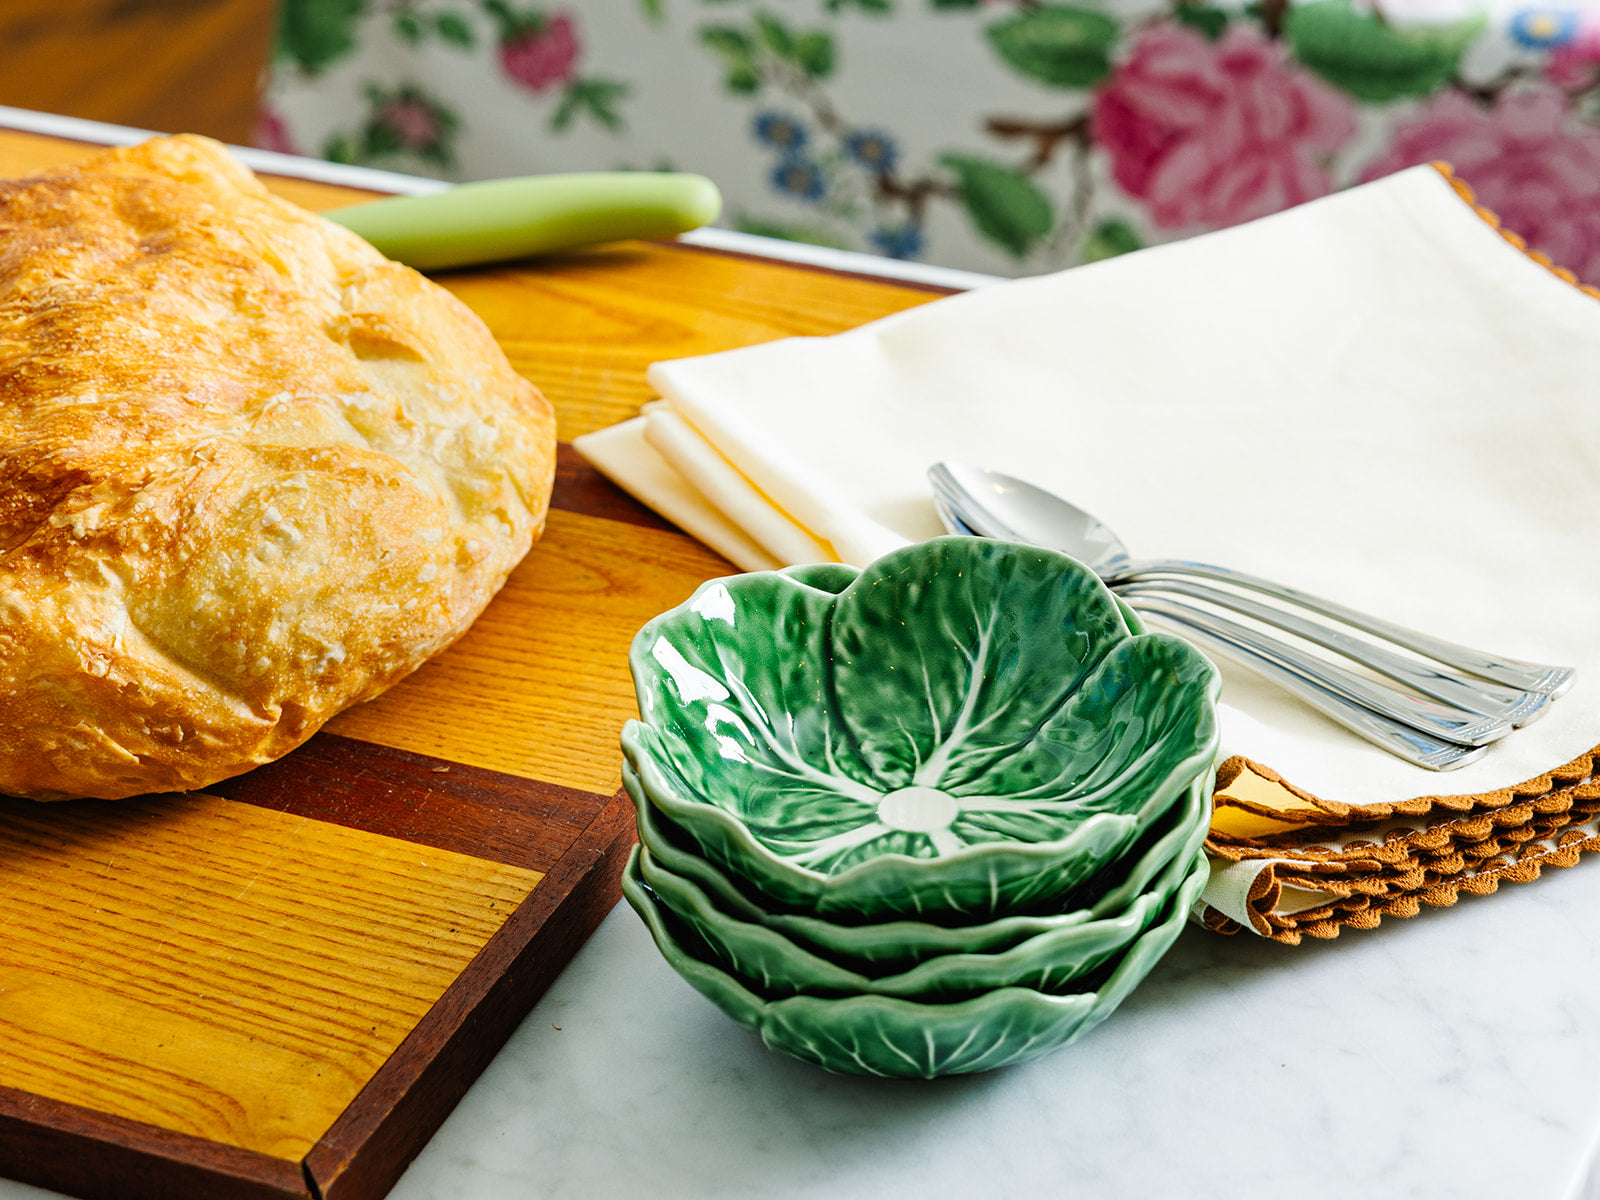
{"points": [[251, 472]]}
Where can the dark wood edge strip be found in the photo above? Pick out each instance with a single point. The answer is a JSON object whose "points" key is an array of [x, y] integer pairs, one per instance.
{"points": [[370, 1145], [581, 488], [52, 1144], [428, 801], [579, 839]]}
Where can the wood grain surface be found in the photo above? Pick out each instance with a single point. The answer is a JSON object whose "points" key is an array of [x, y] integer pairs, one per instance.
{"points": [[540, 685], [282, 987], [584, 326], [224, 970]]}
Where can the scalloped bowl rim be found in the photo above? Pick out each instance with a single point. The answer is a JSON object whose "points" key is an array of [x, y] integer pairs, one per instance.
{"points": [[1182, 832], [687, 964], [1124, 927], [1185, 769], [1163, 796]]}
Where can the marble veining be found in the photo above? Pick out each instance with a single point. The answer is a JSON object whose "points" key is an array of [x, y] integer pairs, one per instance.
{"points": [[1457, 1054]]}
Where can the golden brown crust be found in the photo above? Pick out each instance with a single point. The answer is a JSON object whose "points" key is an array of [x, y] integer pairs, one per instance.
{"points": [[251, 472]]}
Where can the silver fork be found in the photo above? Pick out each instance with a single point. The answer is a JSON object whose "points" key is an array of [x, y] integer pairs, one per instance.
{"points": [[1447, 725]]}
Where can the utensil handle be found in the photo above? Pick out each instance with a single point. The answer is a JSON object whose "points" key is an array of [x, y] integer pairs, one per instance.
{"points": [[501, 219], [1486, 699], [1513, 673], [1443, 721], [1313, 683]]}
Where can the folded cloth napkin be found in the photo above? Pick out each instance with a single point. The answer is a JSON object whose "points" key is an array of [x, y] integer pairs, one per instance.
{"points": [[1378, 397]]}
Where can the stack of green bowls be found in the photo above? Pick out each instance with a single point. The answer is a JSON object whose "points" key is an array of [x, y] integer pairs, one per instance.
{"points": [[932, 817]]}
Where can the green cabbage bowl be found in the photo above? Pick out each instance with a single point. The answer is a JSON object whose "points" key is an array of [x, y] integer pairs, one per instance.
{"points": [[867, 1034], [892, 947], [966, 729], [773, 966]]}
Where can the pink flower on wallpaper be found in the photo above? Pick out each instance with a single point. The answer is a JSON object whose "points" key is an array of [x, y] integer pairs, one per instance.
{"points": [[1214, 133], [1574, 64], [271, 133], [1524, 160], [413, 122], [543, 55]]}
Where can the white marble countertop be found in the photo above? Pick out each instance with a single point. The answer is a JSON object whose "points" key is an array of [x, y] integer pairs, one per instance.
{"points": [[1453, 1055]]}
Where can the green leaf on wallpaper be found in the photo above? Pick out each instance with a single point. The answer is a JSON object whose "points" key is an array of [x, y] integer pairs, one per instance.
{"points": [[340, 148], [738, 53], [603, 95], [561, 119], [379, 140], [814, 54], [1109, 239], [652, 9], [1057, 44], [1209, 21], [315, 33], [727, 40], [954, 5], [597, 97], [775, 34], [453, 28], [1004, 204], [1372, 60], [742, 79], [408, 28]]}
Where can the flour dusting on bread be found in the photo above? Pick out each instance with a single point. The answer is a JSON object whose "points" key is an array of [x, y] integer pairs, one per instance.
{"points": [[251, 472]]}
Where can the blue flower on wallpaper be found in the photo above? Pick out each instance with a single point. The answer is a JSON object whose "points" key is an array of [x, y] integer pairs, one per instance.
{"points": [[780, 131], [800, 178], [898, 241], [1543, 28], [874, 150]]}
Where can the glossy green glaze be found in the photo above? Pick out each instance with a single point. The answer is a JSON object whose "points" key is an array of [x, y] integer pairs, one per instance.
{"points": [[869, 1034], [773, 966], [966, 729], [894, 946], [986, 881]]}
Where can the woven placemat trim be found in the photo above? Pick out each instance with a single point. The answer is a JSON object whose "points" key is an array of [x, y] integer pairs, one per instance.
{"points": [[1391, 844], [1547, 840], [1424, 870], [1321, 813]]}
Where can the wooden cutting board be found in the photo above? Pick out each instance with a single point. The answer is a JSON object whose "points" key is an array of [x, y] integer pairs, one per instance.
{"points": [[280, 988]]}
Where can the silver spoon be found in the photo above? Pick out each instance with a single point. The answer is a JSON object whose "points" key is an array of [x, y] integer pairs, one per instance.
{"points": [[1472, 711]]}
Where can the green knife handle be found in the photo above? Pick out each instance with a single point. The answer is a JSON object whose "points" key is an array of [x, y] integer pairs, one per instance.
{"points": [[515, 218]]}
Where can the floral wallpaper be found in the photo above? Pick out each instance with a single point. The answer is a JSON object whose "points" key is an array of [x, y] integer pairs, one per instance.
{"points": [[1012, 136]]}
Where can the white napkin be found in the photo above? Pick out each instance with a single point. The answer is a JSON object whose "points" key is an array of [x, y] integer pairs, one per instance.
{"points": [[1374, 397]]}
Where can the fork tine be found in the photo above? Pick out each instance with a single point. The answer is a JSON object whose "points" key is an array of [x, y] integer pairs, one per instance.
{"points": [[1402, 740], [1430, 678], [1513, 673], [1442, 721]]}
